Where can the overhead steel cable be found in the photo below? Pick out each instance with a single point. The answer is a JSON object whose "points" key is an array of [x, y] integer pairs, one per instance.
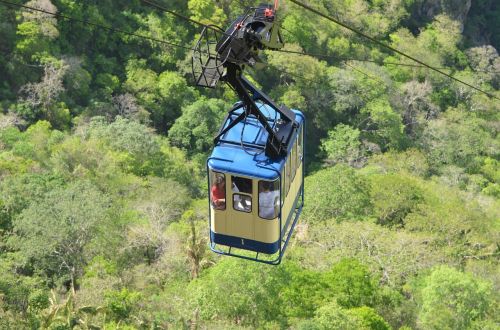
{"points": [[168, 43], [162, 8], [104, 27], [115, 30], [318, 83], [188, 19], [325, 56], [380, 43]]}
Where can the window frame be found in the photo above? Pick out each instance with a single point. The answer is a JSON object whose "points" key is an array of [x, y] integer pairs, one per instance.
{"points": [[282, 185], [242, 195], [300, 146], [241, 178]]}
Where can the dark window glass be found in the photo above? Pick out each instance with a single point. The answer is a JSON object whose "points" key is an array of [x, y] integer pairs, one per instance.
{"points": [[241, 185], [242, 203]]}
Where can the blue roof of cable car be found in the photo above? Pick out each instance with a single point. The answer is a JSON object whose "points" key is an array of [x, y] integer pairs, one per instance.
{"points": [[251, 162]]}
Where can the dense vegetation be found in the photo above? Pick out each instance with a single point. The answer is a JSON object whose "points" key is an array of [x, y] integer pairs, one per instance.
{"points": [[103, 192]]}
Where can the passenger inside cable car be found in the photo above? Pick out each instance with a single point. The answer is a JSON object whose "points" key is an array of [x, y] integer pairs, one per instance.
{"points": [[255, 193], [218, 192], [255, 199], [269, 199]]}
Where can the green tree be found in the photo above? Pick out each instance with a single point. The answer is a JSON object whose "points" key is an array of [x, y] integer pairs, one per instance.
{"points": [[343, 145], [20, 191], [138, 148], [165, 27], [37, 30], [457, 138], [194, 130], [176, 94], [411, 161], [22, 294], [245, 293], [305, 291], [383, 125], [394, 196], [52, 234], [333, 316], [351, 284], [206, 11], [122, 303], [368, 318], [336, 193], [453, 300], [162, 95]]}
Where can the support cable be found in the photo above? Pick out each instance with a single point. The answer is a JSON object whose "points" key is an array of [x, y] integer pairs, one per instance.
{"points": [[162, 8], [168, 43], [325, 56], [380, 43], [86, 22]]}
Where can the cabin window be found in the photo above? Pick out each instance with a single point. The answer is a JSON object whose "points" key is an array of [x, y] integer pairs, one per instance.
{"points": [[242, 203], [300, 146], [218, 190], [269, 199], [297, 153], [240, 187], [294, 160], [288, 174], [283, 176]]}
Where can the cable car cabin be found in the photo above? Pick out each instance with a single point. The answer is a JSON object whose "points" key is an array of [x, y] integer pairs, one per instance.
{"points": [[255, 201]]}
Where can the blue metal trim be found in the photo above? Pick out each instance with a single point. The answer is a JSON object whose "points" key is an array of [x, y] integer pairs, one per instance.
{"points": [[295, 214], [243, 173], [244, 244], [209, 205], [245, 144], [282, 247], [303, 158]]}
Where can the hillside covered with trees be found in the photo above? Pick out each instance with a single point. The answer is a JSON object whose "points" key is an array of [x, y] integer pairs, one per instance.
{"points": [[103, 189]]}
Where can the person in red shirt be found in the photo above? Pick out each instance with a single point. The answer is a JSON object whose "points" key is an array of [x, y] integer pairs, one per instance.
{"points": [[218, 193]]}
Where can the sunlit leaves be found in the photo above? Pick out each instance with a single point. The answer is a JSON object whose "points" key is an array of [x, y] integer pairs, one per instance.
{"points": [[194, 130], [336, 193], [343, 145], [454, 300], [53, 232]]}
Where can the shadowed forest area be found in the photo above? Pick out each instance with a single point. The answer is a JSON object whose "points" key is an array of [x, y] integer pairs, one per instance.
{"points": [[103, 187]]}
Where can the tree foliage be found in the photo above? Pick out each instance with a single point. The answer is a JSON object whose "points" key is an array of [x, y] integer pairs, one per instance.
{"points": [[451, 299], [103, 146], [338, 193]]}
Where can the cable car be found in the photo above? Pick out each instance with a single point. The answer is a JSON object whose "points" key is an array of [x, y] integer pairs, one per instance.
{"points": [[256, 169], [255, 200]]}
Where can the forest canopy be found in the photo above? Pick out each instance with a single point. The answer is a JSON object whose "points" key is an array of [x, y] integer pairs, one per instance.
{"points": [[103, 146]]}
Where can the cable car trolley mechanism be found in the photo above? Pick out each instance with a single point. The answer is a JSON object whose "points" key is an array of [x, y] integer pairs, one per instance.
{"points": [[256, 169]]}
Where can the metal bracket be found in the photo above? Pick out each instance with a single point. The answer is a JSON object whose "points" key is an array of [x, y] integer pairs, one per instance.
{"points": [[280, 134]]}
